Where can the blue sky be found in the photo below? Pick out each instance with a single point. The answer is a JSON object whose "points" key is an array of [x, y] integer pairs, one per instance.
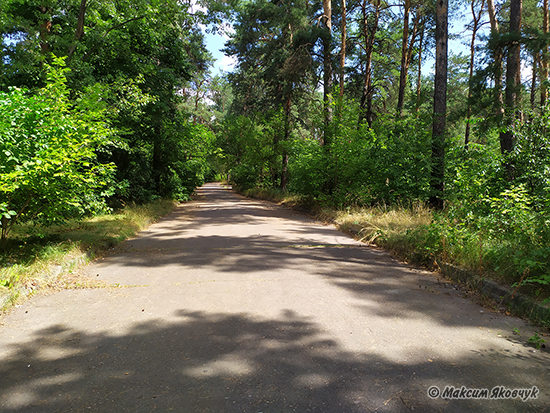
{"points": [[215, 42]]}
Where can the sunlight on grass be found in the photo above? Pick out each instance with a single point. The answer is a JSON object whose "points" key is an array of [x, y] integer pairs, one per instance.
{"points": [[37, 257], [374, 223], [281, 197], [378, 224]]}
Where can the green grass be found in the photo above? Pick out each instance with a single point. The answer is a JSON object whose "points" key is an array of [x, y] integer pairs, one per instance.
{"points": [[37, 257]]}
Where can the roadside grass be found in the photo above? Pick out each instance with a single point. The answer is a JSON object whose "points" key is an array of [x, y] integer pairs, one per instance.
{"points": [[36, 257], [288, 199], [275, 195], [380, 224], [419, 236]]}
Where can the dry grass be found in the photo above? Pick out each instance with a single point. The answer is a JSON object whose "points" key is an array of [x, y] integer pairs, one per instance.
{"points": [[372, 225], [42, 258], [382, 222], [284, 198]]}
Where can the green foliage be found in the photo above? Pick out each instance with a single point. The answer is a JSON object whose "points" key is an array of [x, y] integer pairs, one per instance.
{"points": [[473, 175], [135, 58], [308, 168], [48, 165], [272, 43], [492, 224], [388, 164], [186, 155], [506, 238], [537, 341], [531, 158], [251, 148]]}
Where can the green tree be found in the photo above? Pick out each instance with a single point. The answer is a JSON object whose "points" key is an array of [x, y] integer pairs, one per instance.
{"points": [[407, 47], [48, 164], [144, 53], [272, 43], [369, 30], [477, 8], [513, 80]]}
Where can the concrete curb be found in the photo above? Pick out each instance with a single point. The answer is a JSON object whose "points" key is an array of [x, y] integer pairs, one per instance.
{"points": [[517, 303]]}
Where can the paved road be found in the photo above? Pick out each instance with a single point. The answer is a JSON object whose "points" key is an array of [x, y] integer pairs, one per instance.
{"points": [[233, 305]]}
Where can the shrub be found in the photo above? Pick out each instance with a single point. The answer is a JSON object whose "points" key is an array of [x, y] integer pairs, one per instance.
{"points": [[48, 164]]}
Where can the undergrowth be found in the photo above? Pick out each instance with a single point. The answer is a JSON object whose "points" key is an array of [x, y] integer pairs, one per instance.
{"points": [[36, 257]]}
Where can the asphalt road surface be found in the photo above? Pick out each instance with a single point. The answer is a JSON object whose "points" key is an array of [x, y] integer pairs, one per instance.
{"points": [[237, 305]]}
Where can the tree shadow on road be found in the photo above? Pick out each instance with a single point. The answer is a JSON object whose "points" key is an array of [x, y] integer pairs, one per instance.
{"points": [[383, 286], [232, 363]]}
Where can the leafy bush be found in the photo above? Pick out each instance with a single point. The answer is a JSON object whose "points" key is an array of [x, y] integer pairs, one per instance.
{"points": [[48, 165], [251, 149], [185, 152], [362, 166], [531, 158]]}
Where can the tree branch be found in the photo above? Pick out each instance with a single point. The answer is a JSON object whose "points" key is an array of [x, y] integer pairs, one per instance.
{"points": [[88, 55], [79, 27]]}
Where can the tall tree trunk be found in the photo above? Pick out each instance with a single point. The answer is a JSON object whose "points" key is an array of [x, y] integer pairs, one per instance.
{"points": [[437, 182], [513, 81], [419, 78], [403, 71], [410, 48], [79, 27], [327, 65], [157, 160], [369, 33], [343, 48], [81, 20], [535, 67], [284, 170], [476, 20], [45, 29], [497, 59], [406, 56], [545, 61]]}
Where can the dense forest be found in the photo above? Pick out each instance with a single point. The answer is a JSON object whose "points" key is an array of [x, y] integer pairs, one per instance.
{"points": [[107, 102]]}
